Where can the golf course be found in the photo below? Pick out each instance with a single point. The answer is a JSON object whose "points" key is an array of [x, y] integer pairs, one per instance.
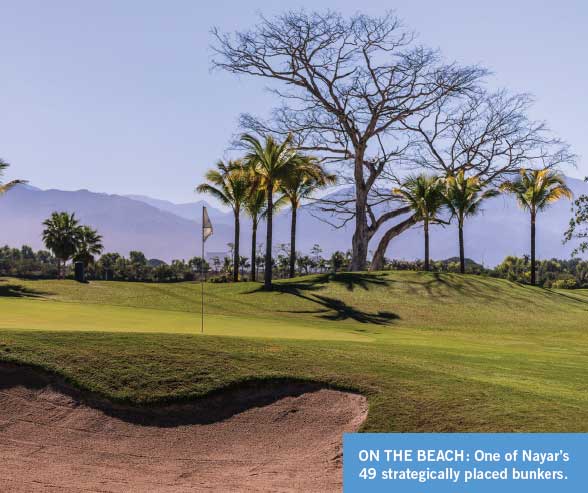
{"points": [[306, 247], [430, 351]]}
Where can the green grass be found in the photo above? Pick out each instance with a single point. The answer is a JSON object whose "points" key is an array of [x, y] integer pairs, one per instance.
{"points": [[433, 352], [68, 316]]}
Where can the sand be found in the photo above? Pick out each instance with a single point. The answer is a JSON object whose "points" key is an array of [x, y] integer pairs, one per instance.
{"points": [[275, 436]]}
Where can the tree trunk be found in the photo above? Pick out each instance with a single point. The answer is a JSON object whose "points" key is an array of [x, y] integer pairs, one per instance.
{"points": [[378, 260], [426, 228], [533, 217], [58, 268], [360, 236], [236, 248], [267, 281], [461, 250], [253, 252], [293, 242]]}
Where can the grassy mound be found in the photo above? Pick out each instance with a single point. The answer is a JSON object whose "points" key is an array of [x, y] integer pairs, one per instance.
{"points": [[435, 352]]}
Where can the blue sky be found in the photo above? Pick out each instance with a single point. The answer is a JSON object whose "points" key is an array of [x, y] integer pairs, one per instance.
{"points": [[117, 96]]}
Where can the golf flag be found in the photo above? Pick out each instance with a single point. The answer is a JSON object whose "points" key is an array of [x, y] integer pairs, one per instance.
{"points": [[206, 225]]}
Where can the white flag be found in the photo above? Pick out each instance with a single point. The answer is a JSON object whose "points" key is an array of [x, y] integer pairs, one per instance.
{"points": [[206, 225]]}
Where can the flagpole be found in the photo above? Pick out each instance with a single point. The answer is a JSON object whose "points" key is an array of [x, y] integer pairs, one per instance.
{"points": [[206, 232], [202, 276]]}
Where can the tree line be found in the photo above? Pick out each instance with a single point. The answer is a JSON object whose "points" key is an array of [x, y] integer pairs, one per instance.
{"points": [[27, 263], [24, 262]]}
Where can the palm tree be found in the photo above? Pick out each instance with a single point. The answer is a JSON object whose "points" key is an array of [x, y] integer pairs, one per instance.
{"points": [[535, 190], [424, 195], [272, 163], [89, 245], [255, 208], [337, 261], [61, 236], [4, 187], [230, 184], [463, 196], [307, 177]]}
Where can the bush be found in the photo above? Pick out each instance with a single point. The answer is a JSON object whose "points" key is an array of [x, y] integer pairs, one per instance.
{"points": [[220, 279], [564, 284]]}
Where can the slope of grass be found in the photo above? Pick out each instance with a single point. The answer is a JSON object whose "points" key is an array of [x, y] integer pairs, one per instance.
{"points": [[432, 352]]}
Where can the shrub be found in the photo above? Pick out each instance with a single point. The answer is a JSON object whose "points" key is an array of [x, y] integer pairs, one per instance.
{"points": [[564, 284]]}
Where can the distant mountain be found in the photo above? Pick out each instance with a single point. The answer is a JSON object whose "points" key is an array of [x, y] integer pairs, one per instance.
{"points": [[190, 210], [165, 230], [30, 187], [124, 223]]}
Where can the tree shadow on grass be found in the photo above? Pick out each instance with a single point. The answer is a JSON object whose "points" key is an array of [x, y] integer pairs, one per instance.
{"points": [[350, 280], [343, 311], [464, 285], [510, 294], [332, 308], [438, 285], [10, 290]]}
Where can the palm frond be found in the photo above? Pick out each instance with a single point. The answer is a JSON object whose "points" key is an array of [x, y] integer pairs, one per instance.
{"points": [[535, 190], [215, 192], [11, 184], [230, 183], [5, 187]]}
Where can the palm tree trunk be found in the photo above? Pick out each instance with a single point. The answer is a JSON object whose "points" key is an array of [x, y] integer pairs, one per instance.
{"points": [[236, 249], [461, 250], [267, 282], [293, 242], [426, 228], [533, 217], [253, 252]]}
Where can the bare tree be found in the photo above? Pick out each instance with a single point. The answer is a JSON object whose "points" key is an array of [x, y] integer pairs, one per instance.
{"points": [[346, 86]]}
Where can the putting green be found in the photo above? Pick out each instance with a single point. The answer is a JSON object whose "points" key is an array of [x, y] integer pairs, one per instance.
{"points": [[46, 314]]}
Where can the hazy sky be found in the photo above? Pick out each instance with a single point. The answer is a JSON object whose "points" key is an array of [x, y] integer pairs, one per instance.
{"points": [[117, 95]]}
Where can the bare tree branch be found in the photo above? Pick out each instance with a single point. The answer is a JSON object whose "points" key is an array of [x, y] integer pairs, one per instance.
{"points": [[487, 135]]}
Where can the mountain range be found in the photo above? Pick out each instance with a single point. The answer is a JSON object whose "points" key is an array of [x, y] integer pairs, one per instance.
{"points": [[165, 230]]}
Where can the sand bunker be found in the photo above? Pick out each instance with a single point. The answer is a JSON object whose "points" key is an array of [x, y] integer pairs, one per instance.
{"points": [[276, 437]]}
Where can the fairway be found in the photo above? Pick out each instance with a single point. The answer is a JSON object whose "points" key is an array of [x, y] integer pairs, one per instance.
{"points": [[431, 352]]}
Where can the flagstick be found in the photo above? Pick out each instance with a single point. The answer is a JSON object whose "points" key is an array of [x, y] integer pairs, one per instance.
{"points": [[202, 275]]}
